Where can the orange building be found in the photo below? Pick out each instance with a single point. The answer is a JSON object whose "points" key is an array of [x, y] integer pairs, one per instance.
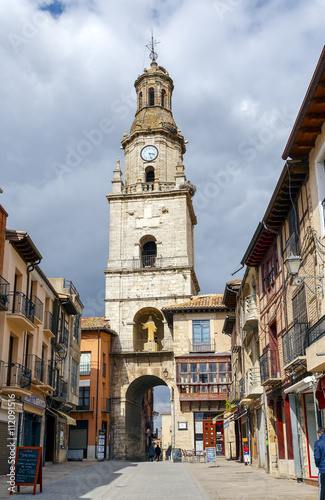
{"points": [[89, 439]]}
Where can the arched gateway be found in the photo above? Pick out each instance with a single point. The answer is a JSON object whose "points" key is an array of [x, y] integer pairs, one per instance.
{"points": [[151, 258]]}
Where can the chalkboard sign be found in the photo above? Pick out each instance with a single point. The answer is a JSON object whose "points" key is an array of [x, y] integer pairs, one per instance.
{"points": [[28, 468], [211, 454], [177, 455]]}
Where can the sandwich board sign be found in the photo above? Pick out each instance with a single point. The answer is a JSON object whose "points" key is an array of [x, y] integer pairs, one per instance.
{"points": [[28, 467], [211, 454]]}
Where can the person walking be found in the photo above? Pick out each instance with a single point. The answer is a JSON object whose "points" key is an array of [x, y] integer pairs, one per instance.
{"points": [[169, 452], [319, 457], [157, 452]]}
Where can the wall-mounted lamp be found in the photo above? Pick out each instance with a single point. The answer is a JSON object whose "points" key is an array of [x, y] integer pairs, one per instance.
{"points": [[62, 354], [293, 264], [165, 374]]}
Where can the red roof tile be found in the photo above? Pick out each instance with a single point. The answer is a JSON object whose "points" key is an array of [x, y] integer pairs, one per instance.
{"points": [[94, 324], [213, 300]]}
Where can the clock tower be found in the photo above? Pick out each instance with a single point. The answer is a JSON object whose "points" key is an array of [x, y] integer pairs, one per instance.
{"points": [[151, 250]]}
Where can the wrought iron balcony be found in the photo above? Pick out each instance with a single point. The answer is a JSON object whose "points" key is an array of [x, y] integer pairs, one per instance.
{"points": [[15, 375], [201, 346], [49, 322], [253, 382], [21, 306], [250, 312], [61, 389], [85, 404], [270, 367], [138, 345], [294, 343], [38, 314], [317, 331], [38, 368], [4, 292], [106, 405]]}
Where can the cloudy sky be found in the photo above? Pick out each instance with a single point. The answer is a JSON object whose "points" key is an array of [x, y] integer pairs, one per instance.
{"points": [[240, 69]]}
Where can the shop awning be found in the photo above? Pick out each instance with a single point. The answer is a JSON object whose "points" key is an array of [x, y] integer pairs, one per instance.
{"points": [[70, 420], [301, 386]]}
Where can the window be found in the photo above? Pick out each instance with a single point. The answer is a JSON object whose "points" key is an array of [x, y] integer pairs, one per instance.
{"points": [[183, 373], [76, 328], [213, 372], [150, 174], [193, 374], [163, 98], [74, 376], [85, 361], [151, 97], [149, 254], [293, 240], [140, 100], [84, 399], [203, 378], [201, 331], [222, 373], [270, 270]]}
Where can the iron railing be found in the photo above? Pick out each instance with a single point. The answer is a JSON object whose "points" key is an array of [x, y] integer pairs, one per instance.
{"points": [[61, 389], [4, 292], [253, 379], [241, 387], [49, 322], [37, 367], [270, 366], [19, 303], [106, 405], [316, 331], [38, 308], [294, 342], [137, 345], [160, 262], [15, 375], [201, 346]]}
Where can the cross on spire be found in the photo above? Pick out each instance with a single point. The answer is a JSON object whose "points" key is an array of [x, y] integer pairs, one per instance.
{"points": [[151, 46]]}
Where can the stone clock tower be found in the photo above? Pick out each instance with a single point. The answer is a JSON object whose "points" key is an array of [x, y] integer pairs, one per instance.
{"points": [[151, 251]]}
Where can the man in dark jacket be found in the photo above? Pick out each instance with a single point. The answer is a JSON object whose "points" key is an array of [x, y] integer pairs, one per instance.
{"points": [[319, 457]]}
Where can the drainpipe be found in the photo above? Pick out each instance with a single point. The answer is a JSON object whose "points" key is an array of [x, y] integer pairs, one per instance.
{"points": [[267, 465]]}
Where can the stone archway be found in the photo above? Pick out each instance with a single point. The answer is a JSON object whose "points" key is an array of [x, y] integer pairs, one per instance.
{"points": [[135, 422]]}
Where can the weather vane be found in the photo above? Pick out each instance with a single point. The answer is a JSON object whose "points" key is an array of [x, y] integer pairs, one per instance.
{"points": [[151, 46]]}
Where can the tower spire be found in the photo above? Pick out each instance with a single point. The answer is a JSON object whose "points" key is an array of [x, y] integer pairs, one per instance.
{"points": [[151, 46]]}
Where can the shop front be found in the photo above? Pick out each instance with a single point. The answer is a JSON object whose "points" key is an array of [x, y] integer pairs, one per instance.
{"points": [[209, 432]]}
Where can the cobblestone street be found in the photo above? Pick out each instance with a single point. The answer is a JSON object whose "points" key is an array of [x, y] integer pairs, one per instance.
{"points": [[165, 480]]}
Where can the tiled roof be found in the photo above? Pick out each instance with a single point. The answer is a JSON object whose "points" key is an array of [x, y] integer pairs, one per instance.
{"points": [[94, 324], [213, 300]]}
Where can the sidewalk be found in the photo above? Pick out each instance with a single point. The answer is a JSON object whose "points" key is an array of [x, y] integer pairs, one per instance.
{"points": [[232, 480], [225, 480]]}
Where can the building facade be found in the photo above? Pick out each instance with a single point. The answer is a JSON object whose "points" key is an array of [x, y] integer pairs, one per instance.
{"points": [[31, 370], [93, 408]]}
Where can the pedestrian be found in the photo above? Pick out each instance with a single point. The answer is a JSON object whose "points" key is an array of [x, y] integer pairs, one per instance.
{"points": [[169, 453], [319, 457], [151, 453], [157, 453]]}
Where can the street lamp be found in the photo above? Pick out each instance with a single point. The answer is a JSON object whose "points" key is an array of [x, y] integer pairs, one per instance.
{"points": [[293, 264]]}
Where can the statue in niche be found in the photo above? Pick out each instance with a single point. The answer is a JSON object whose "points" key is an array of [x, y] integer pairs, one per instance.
{"points": [[150, 325]]}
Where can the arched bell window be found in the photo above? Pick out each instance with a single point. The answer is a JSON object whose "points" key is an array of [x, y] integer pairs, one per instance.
{"points": [[163, 98], [148, 250], [151, 97], [150, 174], [140, 100]]}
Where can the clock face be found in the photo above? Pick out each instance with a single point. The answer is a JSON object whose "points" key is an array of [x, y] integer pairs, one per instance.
{"points": [[149, 153]]}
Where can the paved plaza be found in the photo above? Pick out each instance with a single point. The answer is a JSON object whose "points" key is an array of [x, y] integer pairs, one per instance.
{"points": [[226, 480]]}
